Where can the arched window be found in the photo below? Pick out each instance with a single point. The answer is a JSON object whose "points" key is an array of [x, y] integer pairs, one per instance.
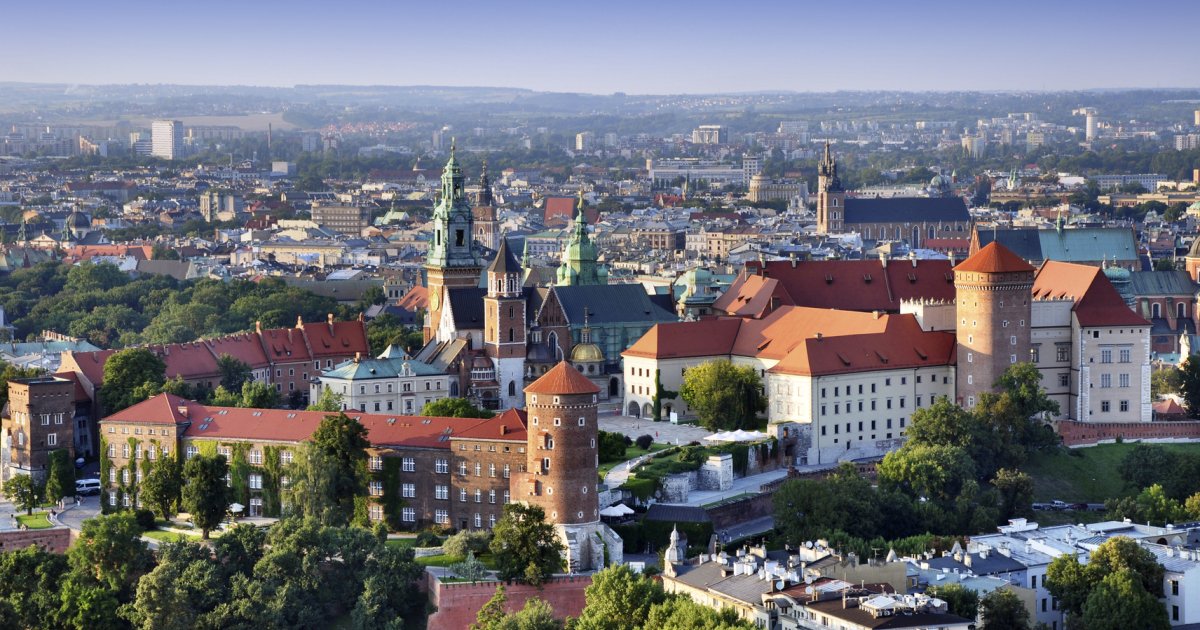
{"points": [[1156, 310], [511, 334], [1181, 310], [512, 388]]}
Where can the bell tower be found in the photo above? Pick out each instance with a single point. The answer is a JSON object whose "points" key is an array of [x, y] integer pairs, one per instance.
{"points": [[831, 197], [451, 261], [504, 324]]}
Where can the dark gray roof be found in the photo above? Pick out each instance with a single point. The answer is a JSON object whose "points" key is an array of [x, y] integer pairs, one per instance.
{"points": [[677, 513], [1149, 283], [611, 303], [911, 209], [1026, 243], [504, 262], [466, 304], [994, 564]]}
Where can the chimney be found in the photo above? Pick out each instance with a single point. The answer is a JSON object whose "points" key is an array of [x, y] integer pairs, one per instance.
{"points": [[504, 429], [183, 410], [912, 256], [258, 326], [883, 259], [299, 322]]}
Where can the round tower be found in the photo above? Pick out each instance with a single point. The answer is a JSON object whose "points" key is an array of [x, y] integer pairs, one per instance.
{"points": [[563, 465], [993, 304]]}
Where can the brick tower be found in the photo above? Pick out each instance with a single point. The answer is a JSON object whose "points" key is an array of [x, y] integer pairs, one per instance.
{"points": [[504, 325], [993, 296], [41, 419], [563, 463], [831, 197], [451, 261]]}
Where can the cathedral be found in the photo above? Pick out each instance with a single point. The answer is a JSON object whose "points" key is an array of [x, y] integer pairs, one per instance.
{"points": [[495, 329]]}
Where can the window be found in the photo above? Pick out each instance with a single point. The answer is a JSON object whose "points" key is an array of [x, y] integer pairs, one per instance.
{"points": [[1035, 354], [506, 471], [376, 512], [479, 519], [408, 490], [125, 451], [1064, 379], [1105, 381], [375, 488], [112, 475], [441, 492], [1175, 587], [408, 464], [506, 498], [1125, 353], [491, 470], [1124, 405], [441, 517], [1062, 353], [408, 515], [478, 469], [1104, 406], [478, 495], [375, 462], [491, 520], [255, 457], [125, 476], [285, 457], [52, 439], [1123, 379], [441, 466], [256, 481], [190, 452], [112, 498], [462, 495], [1106, 356], [491, 496], [224, 450]]}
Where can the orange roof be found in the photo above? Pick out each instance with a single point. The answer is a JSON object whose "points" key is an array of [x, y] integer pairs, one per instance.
{"points": [[994, 258], [282, 425], [1097, 302], [416, 298], [904, 345], [509, 426], [562, 379], [706, 337]]}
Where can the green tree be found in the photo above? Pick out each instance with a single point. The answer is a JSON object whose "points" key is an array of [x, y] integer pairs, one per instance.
{"points": [[1074, 584], [239, 549], [1119, 601], [328, 401], [1023, 382], [330, 473], [162, 485], [259, 396], [938, 473], [1001, 609], [611, 446], [524, 545], [60, 481], [680, 612], [470, 569], [723, 396], [1168, 380], [131, 376], [181, 592], [110, 553], [454, 408], [389, 593], [29, 592], [1016, 493], [1151, 504], [234, 372], [959, 599], [535, 615], [619, 599], [1146, 464], [1190, 385], [205, 492], [23, 491]]}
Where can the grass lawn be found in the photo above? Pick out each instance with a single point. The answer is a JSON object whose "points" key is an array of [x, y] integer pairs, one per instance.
{"points": [[1088, 476], [37, 520], [630, 453], [166, 537], [1047, 518]]}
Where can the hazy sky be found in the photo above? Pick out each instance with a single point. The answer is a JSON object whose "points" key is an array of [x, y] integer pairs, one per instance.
{"points": [[645, 46]]}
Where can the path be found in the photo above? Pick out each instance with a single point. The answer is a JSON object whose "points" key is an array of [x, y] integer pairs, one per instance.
{"points": [[663, 432]]}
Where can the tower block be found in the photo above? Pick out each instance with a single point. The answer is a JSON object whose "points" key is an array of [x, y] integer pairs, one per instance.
{"points": [[993, 305], [563, 464]]}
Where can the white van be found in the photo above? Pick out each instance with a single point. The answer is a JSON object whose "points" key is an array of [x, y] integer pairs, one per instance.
{"points": [[86, 487]]}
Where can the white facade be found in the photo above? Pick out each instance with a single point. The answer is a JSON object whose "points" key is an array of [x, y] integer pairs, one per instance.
{"points": [[166, 139], [403, 391]]}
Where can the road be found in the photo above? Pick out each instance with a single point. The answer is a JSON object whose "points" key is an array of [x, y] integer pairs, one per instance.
{"points": [[74, 517]]}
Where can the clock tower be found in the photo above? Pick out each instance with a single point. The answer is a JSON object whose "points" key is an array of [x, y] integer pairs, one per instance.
{"points": [[451, 262]]}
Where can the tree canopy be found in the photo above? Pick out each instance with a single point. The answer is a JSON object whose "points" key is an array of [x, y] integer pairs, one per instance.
{"points": [[524, 545], [205, 491], [131, 376], [724, 396], [329, 476], [454, 408]]}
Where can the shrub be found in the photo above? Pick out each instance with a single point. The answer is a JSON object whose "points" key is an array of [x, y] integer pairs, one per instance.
{"points": [[465, 541], [428, 539], [145, 519], [644, 442]]}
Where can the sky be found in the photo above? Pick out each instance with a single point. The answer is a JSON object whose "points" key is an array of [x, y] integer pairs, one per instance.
{"points": [[638, 47]]}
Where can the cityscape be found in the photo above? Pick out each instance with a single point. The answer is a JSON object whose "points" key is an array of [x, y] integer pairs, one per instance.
{"points": [[606, 331]]}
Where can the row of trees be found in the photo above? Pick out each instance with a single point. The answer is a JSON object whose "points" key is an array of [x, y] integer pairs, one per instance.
{"points": [[1118, 588], [1001, 609], [1168, 482]]}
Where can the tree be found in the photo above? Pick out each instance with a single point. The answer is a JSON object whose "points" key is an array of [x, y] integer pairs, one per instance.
{"points": [[1023, 382], [524, 545], [234, 372], [1190, 385], [29, 592], [162, 485], [1075, 584], [205, 491], [619, 599], [110, 553], [181, 592], [60, 481], [259, 396], [1001, 609], [454, 408], [1168, 380], [131, 376], [1151, 504], [23, 491], [1146, 464], [1016, 493], [535, 615], [470, 569], [328, 401], [723, 396], [611, 446], [1119, 601], [938, 473], [959, 599], [466, 541], [680, 612], [389, 590]]}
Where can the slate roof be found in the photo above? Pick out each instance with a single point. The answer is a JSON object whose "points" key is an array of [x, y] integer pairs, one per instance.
{"points": [[679, 514], [993, 564], [505, 261], [1161, 283], [466, 304], [611, 304], [1068, 245], [905, 209]]}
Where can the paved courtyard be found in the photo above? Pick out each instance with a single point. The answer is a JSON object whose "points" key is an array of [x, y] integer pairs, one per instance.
{"points": [[664, 432]]}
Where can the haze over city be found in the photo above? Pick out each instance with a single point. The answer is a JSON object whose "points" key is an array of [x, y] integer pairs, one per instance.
{"points": [[619, 46]]}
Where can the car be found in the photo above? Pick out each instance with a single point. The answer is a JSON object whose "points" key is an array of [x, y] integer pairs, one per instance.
{"points": [[87, 487]]}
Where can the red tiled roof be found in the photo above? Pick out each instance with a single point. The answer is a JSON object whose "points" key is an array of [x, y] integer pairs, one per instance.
{"points": [[1097, 302], [706, 337], [80, 395], [416, 298], [509, 426], [750, 296], [334, 338], [282, 425], [244, 347], [904, 345], [994, 258], [285, 344], [562, 379], [1168, 407], [850, 285]]}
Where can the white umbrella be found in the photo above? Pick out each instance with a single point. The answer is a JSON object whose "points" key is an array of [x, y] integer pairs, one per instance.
{"points": [[619, 509], [236, 507]]}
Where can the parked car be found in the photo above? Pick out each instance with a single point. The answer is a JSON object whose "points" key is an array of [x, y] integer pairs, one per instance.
{"points": [[87, 487]]}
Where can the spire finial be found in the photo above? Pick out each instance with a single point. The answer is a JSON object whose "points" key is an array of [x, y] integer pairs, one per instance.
{"points": [[453, 146]]}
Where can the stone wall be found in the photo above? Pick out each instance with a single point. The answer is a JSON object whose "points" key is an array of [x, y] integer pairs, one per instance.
{"points": [[54, 539], [458, 603], [716, 473], [731, 514], [1088, 433]]}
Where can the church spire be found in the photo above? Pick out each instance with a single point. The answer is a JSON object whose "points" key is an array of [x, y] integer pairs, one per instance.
{"points": [[485, 187], [22, 236]]}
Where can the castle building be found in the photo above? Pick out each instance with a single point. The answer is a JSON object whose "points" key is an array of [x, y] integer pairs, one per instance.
{"points": [[39, 419], [994, 312], [451, 261], [393, 382], [579, 266], [563, 458], [913, 219]]}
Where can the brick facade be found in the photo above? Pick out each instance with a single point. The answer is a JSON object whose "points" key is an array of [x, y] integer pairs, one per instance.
{"points": [[1088, 433], [53, 540], [40, 419], [458, 603]]}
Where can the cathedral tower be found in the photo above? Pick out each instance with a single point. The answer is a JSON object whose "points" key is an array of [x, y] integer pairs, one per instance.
{"points": [[451, 261], [579, 261], [563, 464], [504, 324], [993, 303], [831, 197]]}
